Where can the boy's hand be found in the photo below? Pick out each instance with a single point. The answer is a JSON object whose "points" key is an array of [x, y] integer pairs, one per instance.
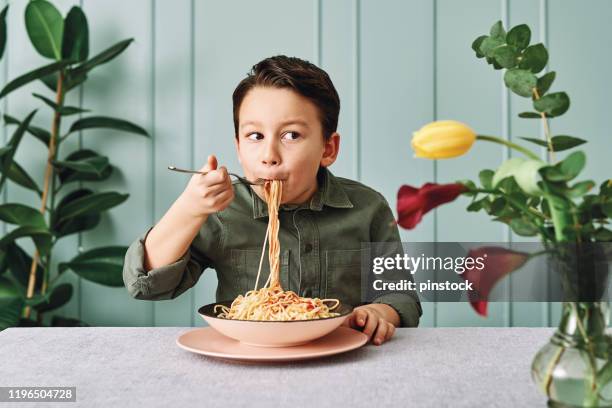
{"points": [[210, 193], [376, 320]]}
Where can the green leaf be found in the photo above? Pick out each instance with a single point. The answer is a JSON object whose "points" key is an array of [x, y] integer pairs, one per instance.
{"points": [[10, 311], [545, 82], [38, 73], [519, 36], [41, 237], [75, 43], [488, 46], [3, 30], [603, 234], [60, 295], [92, 165], [67, 174], [18, 175], [559, 143], [101, 265], [534, 58], [19, 263], [21, 214], [497, 31], [554, 104], [45, 27], [6, 161], [486, 178], [506, 56], [103, 57], [520, 81], [525, 173], [106, 122], [74, 224], [90, 204], [38, 133], [8, 290], [476, 46], [573, 164], [529, 115], [62, 110], [523, 227], [580, 189]]}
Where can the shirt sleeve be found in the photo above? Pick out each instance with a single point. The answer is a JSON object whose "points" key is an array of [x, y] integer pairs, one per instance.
{"points": [[169, 281], [406, 303]]}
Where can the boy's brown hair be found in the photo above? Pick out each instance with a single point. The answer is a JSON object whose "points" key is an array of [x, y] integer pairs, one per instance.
{"points": [[299, 75]]}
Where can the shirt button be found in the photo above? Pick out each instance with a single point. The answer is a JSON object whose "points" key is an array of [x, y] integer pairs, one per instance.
{"points": [[307, 248]]}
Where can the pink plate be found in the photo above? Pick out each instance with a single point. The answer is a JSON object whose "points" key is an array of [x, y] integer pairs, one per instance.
{"points": [[209, 342]]}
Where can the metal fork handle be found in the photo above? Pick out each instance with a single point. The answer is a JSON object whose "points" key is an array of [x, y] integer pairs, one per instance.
{"points": [[243, 179]]}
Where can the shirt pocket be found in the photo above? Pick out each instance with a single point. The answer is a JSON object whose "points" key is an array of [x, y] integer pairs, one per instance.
{"points": [[343, 275], [246, 264]]}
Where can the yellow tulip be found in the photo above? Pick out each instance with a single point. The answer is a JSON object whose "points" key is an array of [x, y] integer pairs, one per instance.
{"points": [[442, 140]]}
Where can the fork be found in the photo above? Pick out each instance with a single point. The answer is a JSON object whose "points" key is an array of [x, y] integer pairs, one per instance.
{"points": [[257, 182]]}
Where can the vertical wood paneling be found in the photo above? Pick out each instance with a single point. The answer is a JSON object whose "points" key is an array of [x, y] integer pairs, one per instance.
{"points": [[173, 120], [467, 90], [121, 88], [396, 82]]}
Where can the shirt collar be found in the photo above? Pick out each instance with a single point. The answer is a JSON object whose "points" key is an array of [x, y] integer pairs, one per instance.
{"points": [[329, 192]]}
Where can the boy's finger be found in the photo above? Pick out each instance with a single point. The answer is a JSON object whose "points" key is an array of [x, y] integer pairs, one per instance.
{"points": [[211, 164], [360, 317], [381, 333], [370, 326], [391, 331]]}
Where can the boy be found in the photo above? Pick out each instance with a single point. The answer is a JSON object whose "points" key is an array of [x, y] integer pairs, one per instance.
{"points": [[285, 119]]}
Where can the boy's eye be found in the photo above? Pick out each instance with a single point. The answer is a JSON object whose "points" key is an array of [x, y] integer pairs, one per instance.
{"points": [[291, 135], [255, 136]]}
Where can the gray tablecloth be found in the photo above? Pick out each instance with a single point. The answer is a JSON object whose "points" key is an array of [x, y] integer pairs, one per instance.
{"points": [[138, 366]]}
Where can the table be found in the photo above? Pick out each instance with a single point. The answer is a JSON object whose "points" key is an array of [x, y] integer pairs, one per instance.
{"points": [[142, 366]]}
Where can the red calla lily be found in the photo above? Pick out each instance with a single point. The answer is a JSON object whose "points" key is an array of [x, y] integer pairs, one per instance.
{"points": [[498, 262], [413, 203]]}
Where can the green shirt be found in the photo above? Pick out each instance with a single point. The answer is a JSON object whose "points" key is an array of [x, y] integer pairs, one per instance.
{"points": [[321, 248]]}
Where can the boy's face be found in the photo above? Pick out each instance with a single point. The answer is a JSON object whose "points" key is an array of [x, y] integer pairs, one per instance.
{"points": [[280, 137]]}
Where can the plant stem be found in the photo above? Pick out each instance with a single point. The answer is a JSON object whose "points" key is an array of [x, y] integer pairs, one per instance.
{"points": [[517, 204], [509, 144], [49, 177], [551, 152]]}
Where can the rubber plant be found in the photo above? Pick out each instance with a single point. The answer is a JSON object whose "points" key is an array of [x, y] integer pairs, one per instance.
{"points": [[541, 198], [28, 285]]}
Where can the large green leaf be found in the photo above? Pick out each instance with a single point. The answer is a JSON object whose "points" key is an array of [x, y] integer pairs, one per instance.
{"points": [[75, 44], [45, 27], [90, 204], [18, 175], [108, 123], [3, 30], [21, 214], [520, 81], [103, 57], [28, 77], [68, 174], [91, 165], [10, 310], [41, 237], [6, 160], [524, 171], [573, 164], [60, 295], [535, 58], [39, 133], [8, 290], [62, 110], [74, 224], [545, 82], [506, 56], [554, 104], [519, 36], [101, 265], [19, 263]]}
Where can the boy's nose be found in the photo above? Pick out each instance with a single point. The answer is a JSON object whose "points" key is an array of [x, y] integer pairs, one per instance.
{"points": [[271, 156]]}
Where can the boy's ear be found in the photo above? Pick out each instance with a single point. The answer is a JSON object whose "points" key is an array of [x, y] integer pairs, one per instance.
{"points": [[332, 147]]}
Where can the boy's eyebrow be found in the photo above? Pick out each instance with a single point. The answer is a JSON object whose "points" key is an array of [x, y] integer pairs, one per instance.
{"points": [[285, 123]]}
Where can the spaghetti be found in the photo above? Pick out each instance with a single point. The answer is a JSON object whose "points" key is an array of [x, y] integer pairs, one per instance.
{"points": [[271, 302]]}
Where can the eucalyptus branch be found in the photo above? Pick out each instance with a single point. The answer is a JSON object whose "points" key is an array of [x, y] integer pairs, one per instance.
{"points": [[551, 152]]}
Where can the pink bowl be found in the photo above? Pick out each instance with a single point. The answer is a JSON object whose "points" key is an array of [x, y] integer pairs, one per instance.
{"points": [[262, 333]]}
